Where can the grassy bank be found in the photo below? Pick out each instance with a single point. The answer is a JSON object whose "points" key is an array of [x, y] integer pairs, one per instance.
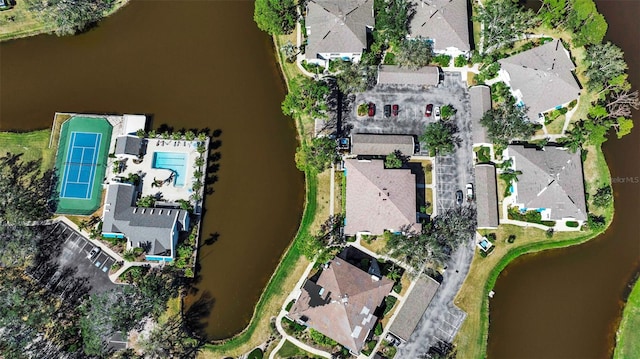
{"points": [[33, 146], [19, 22], [471, 340], [628, 336]]}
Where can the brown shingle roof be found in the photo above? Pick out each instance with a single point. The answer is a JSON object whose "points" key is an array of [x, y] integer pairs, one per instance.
{"points": [[381, 145], [341, 303], [486, 196], [395, 75], [551, 178], [414, 306], [379, 199]]}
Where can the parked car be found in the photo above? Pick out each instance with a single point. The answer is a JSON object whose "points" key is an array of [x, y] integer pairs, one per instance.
{"points": [[469, 192], [387, 110], [94, 252], [459, 197], [429, 110], [372, 109], [395, 109], [436, 113]]}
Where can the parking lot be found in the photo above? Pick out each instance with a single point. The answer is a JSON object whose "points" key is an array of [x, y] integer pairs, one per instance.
{"points": [[75, 252], [412, 101]]}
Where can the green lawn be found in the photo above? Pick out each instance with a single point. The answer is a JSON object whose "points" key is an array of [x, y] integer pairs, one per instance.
{"points": [[289, 350], [628, 336], [33, 145]]}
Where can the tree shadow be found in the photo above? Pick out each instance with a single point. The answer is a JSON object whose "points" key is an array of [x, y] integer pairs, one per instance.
{"points": [[196, 314], [211, 239]]}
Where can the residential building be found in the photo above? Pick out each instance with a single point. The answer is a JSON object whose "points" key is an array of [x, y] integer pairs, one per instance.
{"points": [[396, 75], [541, 78], [364, 144], [337, 29], [443, 22], [486, 196], [480, 98], [414, 306], [551, 182], [155, 230], [379, 199], [341, 303]]}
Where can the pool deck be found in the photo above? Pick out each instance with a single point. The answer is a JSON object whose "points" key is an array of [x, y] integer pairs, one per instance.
{"points": [[169, 191]]}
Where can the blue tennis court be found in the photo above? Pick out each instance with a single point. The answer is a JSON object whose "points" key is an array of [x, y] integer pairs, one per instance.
{"points": [[80, 165]]}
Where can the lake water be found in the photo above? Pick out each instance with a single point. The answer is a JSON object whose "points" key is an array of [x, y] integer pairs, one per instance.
{"points": [[189, 64]]}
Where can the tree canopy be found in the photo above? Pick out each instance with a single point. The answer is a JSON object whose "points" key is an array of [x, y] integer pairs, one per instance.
{"points": [[318, 155], [588, 25], [503, 21], [605, 63], [70, 17], [507, 122], [306, 97], [440, 137], [392, 19], [275, 17], [414, 53]]}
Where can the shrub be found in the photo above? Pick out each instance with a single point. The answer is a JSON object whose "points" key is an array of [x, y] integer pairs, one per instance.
{"points": [[512, 238], [572, 224], [389, 302], [549, 233], [292, 327], [362, 109], [397, 287], [378, 329], [289, 305], [491, 237], [442, 60], [255, 354], [460, 61], [321, 339], [189, 273]]}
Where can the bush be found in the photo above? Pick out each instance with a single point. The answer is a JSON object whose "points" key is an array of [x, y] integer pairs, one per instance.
{"points": [[189, 273], [572, 224], [378, 329], [442, 60], [512, 238], [289, 305], [460, 61], [292, 327], [397, 287], [549, 233], [491, 237], [389, 302], [321, 339], [362, 109], [255, 354]]}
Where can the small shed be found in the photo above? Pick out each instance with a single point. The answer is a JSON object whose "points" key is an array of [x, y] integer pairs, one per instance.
{"points": [[128, 146]]}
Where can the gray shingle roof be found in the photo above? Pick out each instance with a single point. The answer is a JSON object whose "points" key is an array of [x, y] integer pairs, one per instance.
{"points": [[480, 97], [341, 303], [444, 21], [150, 228], [378, 198], [551, 178], [381, 145], [128, 145], [413, 308], [544, 77], [395, 75], [486, 196], [336, 26]]}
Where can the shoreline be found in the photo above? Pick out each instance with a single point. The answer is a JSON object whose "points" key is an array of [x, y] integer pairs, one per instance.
{"points": [[40, 28], [625, 334]]}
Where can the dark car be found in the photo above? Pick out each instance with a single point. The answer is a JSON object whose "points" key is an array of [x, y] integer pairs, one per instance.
{"points": [[387, 110], [429, 110], [395, 109], [372, 109], [459, 197]]}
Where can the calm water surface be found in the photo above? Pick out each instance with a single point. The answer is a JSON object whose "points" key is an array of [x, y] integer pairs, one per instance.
{"points": [[567, 303], [191, 64]]}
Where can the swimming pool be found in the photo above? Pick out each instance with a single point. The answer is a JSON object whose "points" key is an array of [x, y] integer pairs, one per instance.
{"points": [[484, 244], [177, 162]]}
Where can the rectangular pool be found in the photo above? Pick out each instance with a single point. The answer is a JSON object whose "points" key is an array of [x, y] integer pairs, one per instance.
{"points": [[176, 162]]}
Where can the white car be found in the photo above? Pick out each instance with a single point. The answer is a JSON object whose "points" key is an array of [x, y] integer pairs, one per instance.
{"points": [[469, 191], [436, 113]]}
